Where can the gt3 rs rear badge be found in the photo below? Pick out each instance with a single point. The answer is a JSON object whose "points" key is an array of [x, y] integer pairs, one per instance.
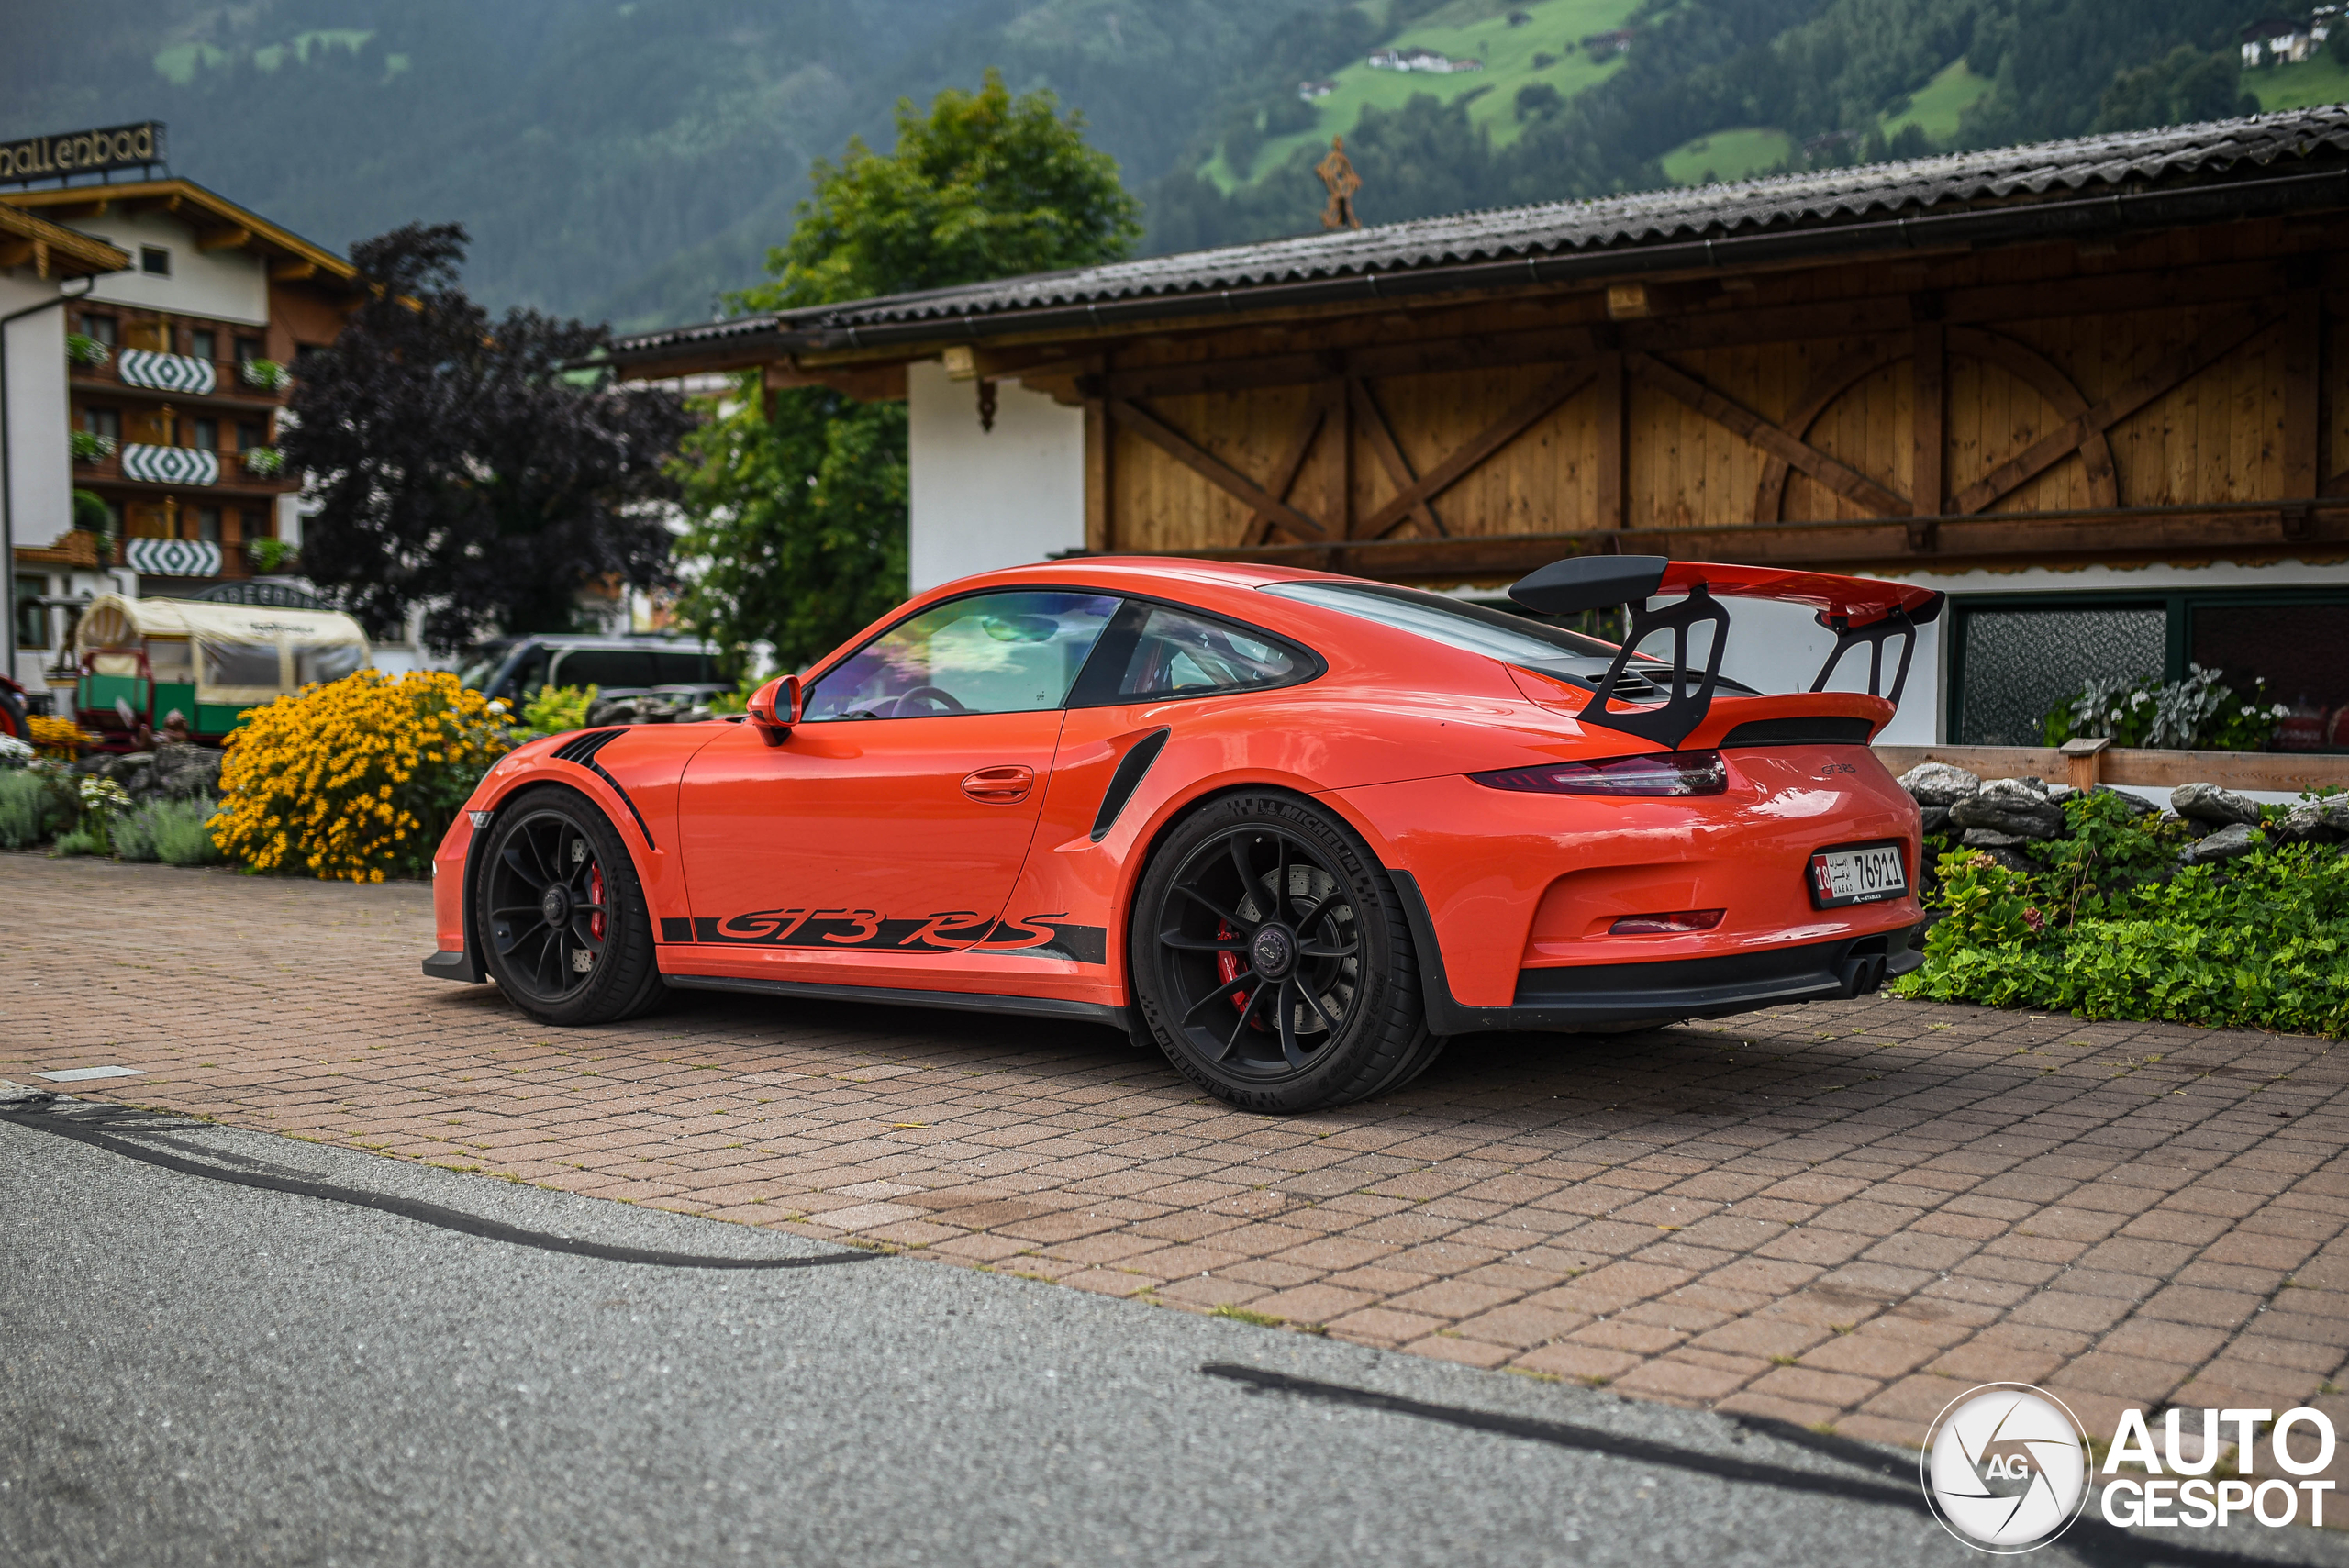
{"points": [[959, 930]]}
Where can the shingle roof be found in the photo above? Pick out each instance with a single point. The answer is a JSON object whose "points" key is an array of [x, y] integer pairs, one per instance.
{"points": [[1722, 216]]}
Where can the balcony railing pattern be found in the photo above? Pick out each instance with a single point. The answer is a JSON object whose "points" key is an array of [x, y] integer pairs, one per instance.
{"points": [[166, 373], [170, 465]]}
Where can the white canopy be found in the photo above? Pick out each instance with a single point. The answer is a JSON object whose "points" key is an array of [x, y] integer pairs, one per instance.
{"points": [[243, 654]]}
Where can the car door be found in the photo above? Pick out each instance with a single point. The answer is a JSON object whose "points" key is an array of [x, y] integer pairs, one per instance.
{"points": [[895, 814]]}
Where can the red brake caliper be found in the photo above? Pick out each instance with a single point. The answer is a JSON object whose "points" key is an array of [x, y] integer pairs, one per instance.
{"points": [[595, 896], [1227, 967]]}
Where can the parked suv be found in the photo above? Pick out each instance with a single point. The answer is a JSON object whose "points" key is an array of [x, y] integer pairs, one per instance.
{"points": [[513, 668]]}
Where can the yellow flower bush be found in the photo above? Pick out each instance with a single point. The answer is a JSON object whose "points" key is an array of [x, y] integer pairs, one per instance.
{"points": [[355, 780], [59, 737]]}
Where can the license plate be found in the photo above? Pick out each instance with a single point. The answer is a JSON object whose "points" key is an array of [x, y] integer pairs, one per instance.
{"points": [[1868, 874]]}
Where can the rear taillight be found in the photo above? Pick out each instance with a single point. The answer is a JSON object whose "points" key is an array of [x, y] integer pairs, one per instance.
{"points": [[1660, 773], [1678, 923]]}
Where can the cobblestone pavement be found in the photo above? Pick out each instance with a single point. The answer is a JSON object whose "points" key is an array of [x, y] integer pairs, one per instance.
{"points": [[1838, 1213]]}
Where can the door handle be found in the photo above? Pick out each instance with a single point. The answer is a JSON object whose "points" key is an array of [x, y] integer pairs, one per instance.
{"points": [[1005, 785]]}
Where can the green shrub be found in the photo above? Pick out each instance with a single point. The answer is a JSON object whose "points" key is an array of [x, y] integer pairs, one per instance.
{"points": [[75, 844], [2260, 942], [2198, 713], [553, 710], [28, 809], [173, 832]]}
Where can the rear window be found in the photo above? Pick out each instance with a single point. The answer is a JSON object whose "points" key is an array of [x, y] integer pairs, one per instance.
{"points": [[681, 670], [1473, 629], [1476, 629]]}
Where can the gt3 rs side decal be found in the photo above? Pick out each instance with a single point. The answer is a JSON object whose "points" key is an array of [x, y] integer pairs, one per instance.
{"points": [[961, 931]]}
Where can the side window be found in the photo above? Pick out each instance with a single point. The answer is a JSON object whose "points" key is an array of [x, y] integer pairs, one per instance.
{"points": [[1174, 653], [681, 669], [1012, 652], [606, 667]]}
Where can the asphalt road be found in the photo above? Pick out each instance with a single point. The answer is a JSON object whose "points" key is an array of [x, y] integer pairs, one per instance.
{"points": [[222, 1347]]}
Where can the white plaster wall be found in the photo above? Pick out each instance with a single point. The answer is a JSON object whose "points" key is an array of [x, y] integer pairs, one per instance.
{"points": [[36, 466], [227, 285], [984, 499]]}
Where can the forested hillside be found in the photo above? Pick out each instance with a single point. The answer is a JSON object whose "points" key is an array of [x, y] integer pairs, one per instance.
{"points": [[636, 161]]}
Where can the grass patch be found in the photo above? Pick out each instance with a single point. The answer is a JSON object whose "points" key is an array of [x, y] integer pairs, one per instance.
{"points": [[1241, 1314]]}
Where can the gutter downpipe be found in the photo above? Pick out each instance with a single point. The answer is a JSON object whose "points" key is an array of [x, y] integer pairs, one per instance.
{"points": [[8, 470]]}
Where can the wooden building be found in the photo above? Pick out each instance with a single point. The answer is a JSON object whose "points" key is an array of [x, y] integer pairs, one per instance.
{"points": [[177, 369], [2098, 390]]}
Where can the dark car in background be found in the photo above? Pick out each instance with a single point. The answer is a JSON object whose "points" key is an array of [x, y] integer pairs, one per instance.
{"points": [[513, 668]]}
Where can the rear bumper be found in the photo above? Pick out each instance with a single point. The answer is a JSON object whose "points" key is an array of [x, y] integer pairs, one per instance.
{"points": [[1618, 995], [460, 965]]}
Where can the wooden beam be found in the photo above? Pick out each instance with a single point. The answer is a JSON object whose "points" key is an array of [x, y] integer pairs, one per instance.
{"points": [[1099, 533], [2166, 374], [223, 238], [1733, 417], [2037, 372], [1397, 466], [1316, 414], [1770, 490], [1339, 496], [2121, 535], [1429, 356], [1928, 422], [1612, 431], [2303, 399], [1506, 429], [1214, 470], [293, 272], [16, 252]]}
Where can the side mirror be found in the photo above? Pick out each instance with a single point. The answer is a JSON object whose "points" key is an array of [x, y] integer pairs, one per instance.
{"points": [[774, 708]]}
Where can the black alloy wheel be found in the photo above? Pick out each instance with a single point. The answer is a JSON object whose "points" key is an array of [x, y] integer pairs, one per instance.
{"points": [[1271, 959], [562, 921]]}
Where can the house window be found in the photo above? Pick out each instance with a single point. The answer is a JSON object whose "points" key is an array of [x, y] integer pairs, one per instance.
{"points": [[103, 422], [208, 524], [100, 328], [249, 434], [2015, 658], [207, 434], [260, 525], [155, 261], [203, 343], [2015, 662], [247, 348], [32, 620], [155, 337]]}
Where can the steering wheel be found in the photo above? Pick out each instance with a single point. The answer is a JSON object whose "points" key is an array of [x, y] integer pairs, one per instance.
{"points": [[946, 701]]}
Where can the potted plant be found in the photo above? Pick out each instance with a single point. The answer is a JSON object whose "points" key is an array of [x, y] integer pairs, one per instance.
{"points": [[266, 461], [90, 447], [266, 374], [85, 351], [271, 555]]}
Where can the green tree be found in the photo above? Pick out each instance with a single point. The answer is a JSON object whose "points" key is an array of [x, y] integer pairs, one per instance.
{"points": [[2182, 87], [796, 499]]}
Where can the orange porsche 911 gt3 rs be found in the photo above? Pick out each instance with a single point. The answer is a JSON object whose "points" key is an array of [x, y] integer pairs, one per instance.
{"points": [[1294, 829]]}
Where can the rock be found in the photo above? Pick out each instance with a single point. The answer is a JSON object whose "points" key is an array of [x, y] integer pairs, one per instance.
{"points": [[1936, 818], [1992, 838], [2058, 793], [2009, 805], [183, 770], [2208, 803], [2137, 804], [2305, 824], [2228, 843], [2014, 861], [2335, 810], [1939, 784]]}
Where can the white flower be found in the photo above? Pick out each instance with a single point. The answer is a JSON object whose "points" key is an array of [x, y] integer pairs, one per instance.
{"points": [[14, 753], [2137, 698], [2278, 711]]}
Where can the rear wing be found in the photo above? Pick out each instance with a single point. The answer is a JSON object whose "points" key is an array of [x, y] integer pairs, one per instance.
{"points": [[1856, 609]]}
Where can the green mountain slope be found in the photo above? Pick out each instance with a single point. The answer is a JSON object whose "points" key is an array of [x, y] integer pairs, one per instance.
{"points": [[635, 160]]}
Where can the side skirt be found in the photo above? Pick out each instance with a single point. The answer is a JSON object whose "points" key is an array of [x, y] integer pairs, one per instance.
{"points": [[951, 1001]]}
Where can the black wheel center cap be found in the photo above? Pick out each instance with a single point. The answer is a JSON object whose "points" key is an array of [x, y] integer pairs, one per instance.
{"points": [[555, 905], [1274, 950]]}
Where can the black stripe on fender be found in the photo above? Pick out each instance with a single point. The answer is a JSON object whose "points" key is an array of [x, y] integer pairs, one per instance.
{"points": [[1126, 780], [582, 749]]}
